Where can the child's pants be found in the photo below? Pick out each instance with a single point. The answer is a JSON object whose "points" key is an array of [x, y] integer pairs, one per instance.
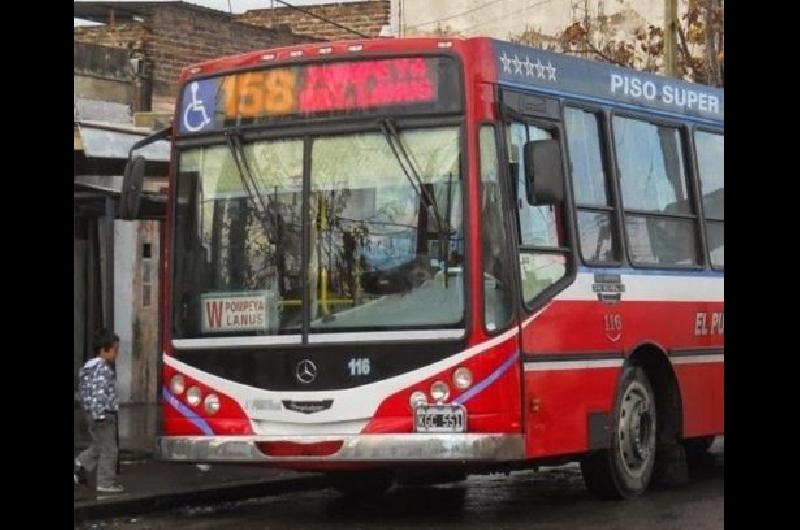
{"points": [[104, 451]]}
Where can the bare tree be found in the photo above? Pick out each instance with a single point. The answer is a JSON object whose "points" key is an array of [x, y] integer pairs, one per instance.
{"points": [[701, 44], [704, 28]]}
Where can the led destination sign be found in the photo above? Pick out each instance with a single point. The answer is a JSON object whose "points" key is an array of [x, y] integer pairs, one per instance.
{"points": [[417, 83]]}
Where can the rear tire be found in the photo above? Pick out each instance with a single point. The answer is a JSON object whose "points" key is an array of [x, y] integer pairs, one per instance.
{"points": [[624, 469], [362, 483]]}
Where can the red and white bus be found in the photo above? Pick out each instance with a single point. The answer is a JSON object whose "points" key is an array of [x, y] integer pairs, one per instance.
{"points": [[442, 254]]}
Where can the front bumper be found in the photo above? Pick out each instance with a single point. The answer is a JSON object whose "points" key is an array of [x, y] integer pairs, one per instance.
{"points": [[355, 448]]}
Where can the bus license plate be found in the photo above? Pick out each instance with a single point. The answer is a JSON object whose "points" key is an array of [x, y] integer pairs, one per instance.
{"points": [[440, 418]]}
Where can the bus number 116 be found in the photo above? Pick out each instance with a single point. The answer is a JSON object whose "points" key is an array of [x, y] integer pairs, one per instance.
{"points": [[358, 366]]}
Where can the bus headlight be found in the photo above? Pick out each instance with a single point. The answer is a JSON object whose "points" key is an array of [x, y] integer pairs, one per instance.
{"points": [[176, 384], [193, 396], [440, 391], [462, 378], [417, 398], [212, 403]]}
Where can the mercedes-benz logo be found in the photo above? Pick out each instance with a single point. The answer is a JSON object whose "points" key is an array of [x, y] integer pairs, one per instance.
{"points": [[306, 371]]}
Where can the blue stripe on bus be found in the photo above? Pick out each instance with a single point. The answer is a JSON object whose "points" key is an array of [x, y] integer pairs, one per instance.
{"points": [[650, 272], [494, 376], [611, 103], [192, 416]]}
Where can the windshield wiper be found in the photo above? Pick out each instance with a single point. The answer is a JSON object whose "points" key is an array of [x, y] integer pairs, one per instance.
{"points": [[249, 182], [406, 164]]}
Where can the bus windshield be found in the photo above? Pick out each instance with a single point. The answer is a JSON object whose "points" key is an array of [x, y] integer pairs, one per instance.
{"points": [[374, 258]]}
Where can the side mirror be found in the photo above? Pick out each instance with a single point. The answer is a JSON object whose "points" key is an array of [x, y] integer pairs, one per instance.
{"points": [[544, 172], [130, 198]]}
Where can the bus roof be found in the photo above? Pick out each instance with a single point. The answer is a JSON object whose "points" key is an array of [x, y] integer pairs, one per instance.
{"points": [[563, 75], [520, 67]]}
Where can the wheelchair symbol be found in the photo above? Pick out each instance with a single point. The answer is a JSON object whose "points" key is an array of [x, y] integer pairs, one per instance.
{"points": [[197, 109]]}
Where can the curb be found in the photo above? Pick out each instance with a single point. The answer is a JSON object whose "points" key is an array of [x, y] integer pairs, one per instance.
{"points": [[125, 455], [124, 505], [134, 453]]}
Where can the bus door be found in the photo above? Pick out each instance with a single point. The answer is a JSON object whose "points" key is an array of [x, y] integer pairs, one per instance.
{"points": [[543, 231]]}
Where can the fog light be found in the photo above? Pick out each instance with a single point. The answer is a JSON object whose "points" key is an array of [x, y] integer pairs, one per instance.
{"points": [[462, 378], [176, 384], [212, 403], [193, 396], [440, 391], [417, 398]]}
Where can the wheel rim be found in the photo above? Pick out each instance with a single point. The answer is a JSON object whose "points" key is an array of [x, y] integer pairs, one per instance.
{"points": [[636, 430]]}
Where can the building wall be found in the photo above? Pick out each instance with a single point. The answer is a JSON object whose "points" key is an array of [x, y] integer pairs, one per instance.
{"points": [[368, 17], [87, 87], [174, 36], [145, 330], [79, 305], [124, 310], [179, 38], [504, 18], [126, 36], [101, 73]]}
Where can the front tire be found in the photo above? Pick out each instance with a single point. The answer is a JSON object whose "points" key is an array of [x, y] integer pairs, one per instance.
{"points": [[624, 469]]}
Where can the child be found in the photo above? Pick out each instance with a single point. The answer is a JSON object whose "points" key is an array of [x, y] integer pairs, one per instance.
{"points": [[99, 401]]}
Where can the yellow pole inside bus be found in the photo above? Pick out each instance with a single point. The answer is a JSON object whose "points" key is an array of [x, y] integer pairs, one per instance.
{"points": [[323, 269]]}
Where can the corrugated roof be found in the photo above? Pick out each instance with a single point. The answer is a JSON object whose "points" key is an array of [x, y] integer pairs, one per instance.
{"points": [[114, 140], [85, 110], [125, 11]]}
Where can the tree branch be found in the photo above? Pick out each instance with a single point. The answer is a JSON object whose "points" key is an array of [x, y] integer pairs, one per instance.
{"points": [[712, 70], [594, 50], [687, 56]]}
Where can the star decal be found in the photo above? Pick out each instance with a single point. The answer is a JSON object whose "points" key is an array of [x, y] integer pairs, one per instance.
{"points": [[540, 69], [551, 71], [536, 70], [528, 67], [517, 64], [505, 60]]}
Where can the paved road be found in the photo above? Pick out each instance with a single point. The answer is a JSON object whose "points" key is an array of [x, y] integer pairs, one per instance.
{"points": [[553, 498]]}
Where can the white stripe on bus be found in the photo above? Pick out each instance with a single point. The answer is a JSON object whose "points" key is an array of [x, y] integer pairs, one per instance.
{"points": [[548, 366], [652, 288], [694, 359], [350, 406]]}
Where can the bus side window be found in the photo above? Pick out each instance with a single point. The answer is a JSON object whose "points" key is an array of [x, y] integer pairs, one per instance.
{"points": [[540, 232], [710, 149], [659, 217], [596, 226]]}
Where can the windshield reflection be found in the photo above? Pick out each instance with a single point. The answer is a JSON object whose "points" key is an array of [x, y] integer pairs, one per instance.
{"points": [[376, 256]]}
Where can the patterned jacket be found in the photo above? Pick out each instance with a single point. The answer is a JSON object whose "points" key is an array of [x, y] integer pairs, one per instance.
{"points": [[98, 388]]}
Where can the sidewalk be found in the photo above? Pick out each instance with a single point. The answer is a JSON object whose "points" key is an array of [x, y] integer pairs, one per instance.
{"points": [[153, 485]]}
